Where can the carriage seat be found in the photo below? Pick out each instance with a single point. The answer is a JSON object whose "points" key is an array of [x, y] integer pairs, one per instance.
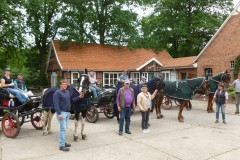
{"points": [[5, 94]]}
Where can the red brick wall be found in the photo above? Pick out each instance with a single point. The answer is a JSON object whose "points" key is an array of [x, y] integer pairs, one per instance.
{"points": [[224, 48], [190, 72]]}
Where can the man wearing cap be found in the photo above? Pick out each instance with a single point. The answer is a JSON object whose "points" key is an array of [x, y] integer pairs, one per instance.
{"points": [[123, 77], [143, 80], [125, 102], [7, 83], [19, 84], [220, 97]]}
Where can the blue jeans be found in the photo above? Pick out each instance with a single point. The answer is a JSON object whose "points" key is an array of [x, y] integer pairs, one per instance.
{"points": [[125, 114], [20, 96], [218, 106], [95, 90], [63, 126]]}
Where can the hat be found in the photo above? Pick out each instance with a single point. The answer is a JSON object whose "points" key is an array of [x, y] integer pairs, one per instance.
{"points": [[7, 69], [143, 77], [20, 74], [144, 85], [127, 81], [221, 84]]}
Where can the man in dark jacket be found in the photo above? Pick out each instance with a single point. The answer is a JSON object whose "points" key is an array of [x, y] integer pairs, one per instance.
{"points": [[62, 106]]}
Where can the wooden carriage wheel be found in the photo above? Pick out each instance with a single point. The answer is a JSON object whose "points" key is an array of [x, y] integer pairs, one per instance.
{"points": [[11, 125], [166, 103], [37, 120]]}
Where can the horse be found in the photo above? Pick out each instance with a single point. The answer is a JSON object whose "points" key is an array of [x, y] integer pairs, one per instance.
{"points": [[222, 77], [47, 103], [183, 91], [80, 104]]}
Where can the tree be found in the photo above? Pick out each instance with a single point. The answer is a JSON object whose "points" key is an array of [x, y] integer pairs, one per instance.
{"points": [[99, 21], [42, 22], [183, 27]]}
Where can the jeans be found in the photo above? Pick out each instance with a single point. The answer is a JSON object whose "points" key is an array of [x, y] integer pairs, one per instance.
{"points": [[218, 106], [237, 101], [125, 114], [63, 126], [95, 90], [20, 96], [145, 119]]}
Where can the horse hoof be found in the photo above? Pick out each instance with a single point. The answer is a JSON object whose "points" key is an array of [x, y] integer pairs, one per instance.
{"points": [[45, 133], [50, 132], [84, 137], [76, 138], [158, 117], [161, 116]]}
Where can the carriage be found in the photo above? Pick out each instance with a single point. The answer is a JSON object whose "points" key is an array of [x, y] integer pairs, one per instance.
{"points": [[13, 114], [105, 104]]}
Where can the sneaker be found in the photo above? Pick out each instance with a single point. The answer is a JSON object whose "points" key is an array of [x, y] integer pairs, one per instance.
{"points": [[144, 131], [67, 145], [216, 121], [147, 131], [236, 112], [120, 133], [224, 122], [128, 132], [63, 148]]}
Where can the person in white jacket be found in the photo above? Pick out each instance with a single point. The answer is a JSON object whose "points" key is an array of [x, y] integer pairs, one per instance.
{"points": [[144, 100]]}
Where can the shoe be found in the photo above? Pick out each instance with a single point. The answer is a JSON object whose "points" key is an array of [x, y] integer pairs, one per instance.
{"points": [[147, 131], [144, 131], [216, 121], [149, 125], [63, 148], [128, 132], [120, 133], [236, 112], [224, 122], [67, 145]]}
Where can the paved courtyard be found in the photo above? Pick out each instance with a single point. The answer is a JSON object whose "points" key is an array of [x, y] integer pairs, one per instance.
{"points": [[198, 138]]}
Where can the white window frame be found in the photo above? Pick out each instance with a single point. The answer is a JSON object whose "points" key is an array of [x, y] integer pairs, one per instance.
{"points": [[145, 74], [72, 76], [53, 79], [108, 84], [232, 64], [165, 77], [135, 79]]}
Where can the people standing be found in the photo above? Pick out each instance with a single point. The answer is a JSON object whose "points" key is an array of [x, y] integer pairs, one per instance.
{"points": [[125, 102], [236, 85], [124, 76], [220, 97], [7, 83], [143, 80], [144, 102], [62, 106]]}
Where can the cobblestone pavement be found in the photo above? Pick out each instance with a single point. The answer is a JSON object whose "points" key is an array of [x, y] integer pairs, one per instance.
{"points": [[198, 138]]}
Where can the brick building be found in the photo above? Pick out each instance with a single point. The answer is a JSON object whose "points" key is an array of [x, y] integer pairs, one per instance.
{"points": [[221, 51], [108, 61]]}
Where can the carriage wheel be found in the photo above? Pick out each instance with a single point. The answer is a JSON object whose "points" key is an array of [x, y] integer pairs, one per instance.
{"points": [[37, 120], [10, 125], [92, 114], [109, 112], [167, 103]]}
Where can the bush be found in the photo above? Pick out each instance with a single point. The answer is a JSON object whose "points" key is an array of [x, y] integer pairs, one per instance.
{"points": [[231, 89]]}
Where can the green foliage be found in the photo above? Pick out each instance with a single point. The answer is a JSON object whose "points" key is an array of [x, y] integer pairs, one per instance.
{"points": [[183, 27], [236, 67], [231, 91]]}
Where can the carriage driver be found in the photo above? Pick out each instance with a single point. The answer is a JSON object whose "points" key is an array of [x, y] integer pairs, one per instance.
{"points": [[92, 86], [19, 84], [7, 83]]}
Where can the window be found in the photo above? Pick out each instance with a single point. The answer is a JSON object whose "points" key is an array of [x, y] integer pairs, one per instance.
{"points": [[166, 75], [74, 77], [183, 76], [135, 76], [208, 72], [110, 78], [53, 79], [232, 64]]}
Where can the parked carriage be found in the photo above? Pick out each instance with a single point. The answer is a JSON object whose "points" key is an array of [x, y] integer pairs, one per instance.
{"points": [[13, 114]]}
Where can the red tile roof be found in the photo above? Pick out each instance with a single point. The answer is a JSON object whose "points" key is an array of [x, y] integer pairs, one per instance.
{"points": [[110, 58], [180, 62]]}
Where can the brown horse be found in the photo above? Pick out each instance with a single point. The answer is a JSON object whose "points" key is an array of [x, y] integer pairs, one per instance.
{"points": [[183, 91], [223, 77]]}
